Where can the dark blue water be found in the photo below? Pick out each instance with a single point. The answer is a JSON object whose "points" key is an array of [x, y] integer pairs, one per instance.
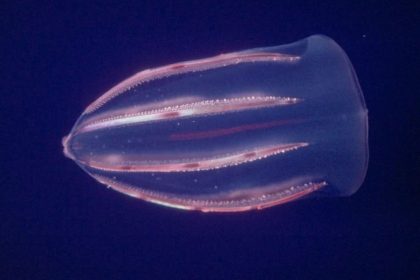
{"points": [[57, 223]]}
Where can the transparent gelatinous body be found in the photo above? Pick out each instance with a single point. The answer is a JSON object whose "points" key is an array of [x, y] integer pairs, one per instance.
{"points": [[238, 131]]}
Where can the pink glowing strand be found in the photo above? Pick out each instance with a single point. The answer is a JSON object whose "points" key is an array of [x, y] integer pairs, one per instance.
{"points": [[222, 60], [201, 108], [117, 163], [228, 131], [257, 198]]}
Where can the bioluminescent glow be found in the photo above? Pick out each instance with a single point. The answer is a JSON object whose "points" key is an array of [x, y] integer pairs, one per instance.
{"points": [[235, 132]]}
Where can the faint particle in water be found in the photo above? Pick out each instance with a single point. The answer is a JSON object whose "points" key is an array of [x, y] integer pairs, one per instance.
{"points": [[235, 132]]}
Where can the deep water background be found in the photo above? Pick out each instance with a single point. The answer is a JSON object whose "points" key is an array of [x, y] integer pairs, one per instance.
{"points": [[57, 223]]}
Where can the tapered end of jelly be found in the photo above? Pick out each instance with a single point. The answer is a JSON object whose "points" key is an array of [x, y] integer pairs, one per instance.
{"points": [[66, 150]]}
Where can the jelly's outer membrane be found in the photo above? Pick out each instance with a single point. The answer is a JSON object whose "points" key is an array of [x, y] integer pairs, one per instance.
{"points": [[239, 131]]}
